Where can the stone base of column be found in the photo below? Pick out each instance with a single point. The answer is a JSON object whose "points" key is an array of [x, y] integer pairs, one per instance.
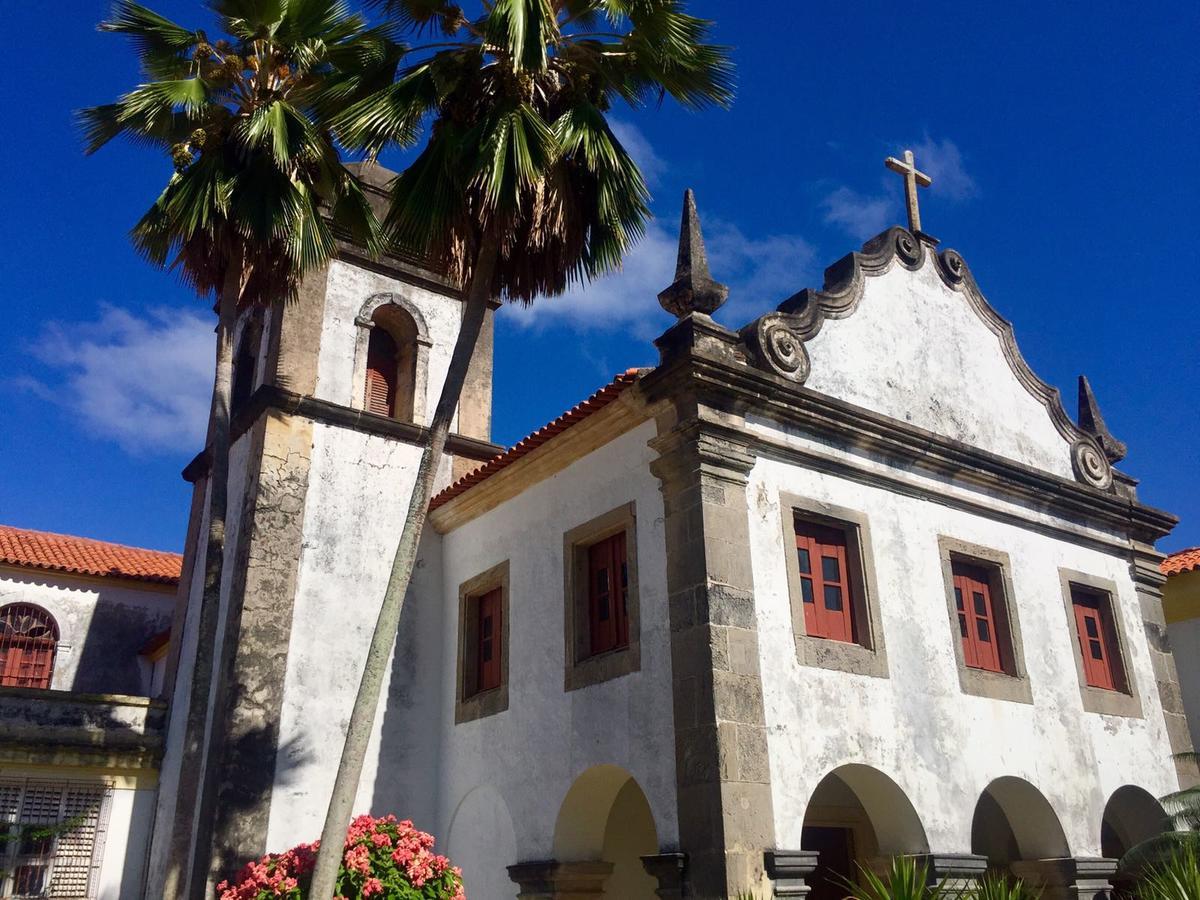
{"points": [[1069, 878], [669, 870], [958, 873], [789, 871], [551, 880]]}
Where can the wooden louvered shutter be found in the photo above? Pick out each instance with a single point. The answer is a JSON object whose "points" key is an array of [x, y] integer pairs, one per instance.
{"points": [[1094, 641], [825, 582], [382, 366], [28, 643], [608, 594], [976, 618], [490, 641]]}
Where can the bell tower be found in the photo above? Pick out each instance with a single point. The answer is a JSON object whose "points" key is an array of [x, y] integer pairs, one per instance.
{"points": [[334, 393]]}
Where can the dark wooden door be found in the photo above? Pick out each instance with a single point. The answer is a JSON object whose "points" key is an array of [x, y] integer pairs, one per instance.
{"points": [[835, 864]]}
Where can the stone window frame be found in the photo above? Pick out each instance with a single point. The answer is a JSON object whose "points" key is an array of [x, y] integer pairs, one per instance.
{"points": [[365, 322], [583, 669], [494, 700], [1126, 702], [868, 656], [1013, 683]]}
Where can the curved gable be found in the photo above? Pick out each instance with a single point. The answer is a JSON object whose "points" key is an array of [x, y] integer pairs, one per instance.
{"points": [[906, 333]]}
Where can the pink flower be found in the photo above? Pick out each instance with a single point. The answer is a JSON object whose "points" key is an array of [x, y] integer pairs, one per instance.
{"points": [[372, 886]]}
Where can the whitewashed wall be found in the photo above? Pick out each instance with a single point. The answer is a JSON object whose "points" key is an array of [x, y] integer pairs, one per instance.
{"points": [[940, 745], [530, 755], [915, 350], [102, 624]]}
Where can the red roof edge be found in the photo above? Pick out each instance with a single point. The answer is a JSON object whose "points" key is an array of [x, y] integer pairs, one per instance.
{"points": [[85, 556], [527, 445], [1182, 561]]}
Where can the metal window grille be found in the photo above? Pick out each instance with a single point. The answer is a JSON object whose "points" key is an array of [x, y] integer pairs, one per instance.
{"points": [[54, 838], [28, 643]]}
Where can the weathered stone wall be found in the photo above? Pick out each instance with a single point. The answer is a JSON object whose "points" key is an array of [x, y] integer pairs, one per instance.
{"points": [[941, 746]]}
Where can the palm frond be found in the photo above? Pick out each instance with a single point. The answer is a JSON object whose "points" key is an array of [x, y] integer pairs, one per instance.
{"points": [[161, 44]]}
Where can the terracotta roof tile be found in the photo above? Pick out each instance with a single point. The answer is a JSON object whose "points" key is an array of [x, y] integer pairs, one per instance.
{"points": [[1183, 561], [573, 416], [84, 556]]}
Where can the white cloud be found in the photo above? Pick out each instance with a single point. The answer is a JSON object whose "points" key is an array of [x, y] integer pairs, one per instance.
{"points": [[639, 147], [144, 382], [859, 215], [760, 273], [942, 161]]}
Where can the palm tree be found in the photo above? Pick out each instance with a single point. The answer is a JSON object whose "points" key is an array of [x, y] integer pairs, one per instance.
{"points": [[521, 190], [245, 216]]}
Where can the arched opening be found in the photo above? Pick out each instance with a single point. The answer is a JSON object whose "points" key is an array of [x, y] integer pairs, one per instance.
{"points": [[856, 816], [1131, 816], [245, 362], [1013, 822], [606, 817], [391, 363], [28, 644], [482, 842]]}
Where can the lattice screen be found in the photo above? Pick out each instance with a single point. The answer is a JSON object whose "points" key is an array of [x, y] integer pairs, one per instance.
{"points": [[78, 812]]}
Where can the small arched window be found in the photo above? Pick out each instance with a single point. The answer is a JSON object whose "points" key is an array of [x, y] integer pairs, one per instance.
{"points": [[391, 363], [28, 643], [245, 362]]}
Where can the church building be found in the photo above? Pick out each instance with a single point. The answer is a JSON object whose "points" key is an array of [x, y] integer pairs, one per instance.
{"points": [[843, 584]]}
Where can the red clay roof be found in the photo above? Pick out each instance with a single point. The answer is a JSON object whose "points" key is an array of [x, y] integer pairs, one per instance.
{"points": [[573, 416], [1183, 561], [84, 556]]}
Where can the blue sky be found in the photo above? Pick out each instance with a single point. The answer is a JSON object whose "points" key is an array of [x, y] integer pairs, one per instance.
{"points": [[1063, 139]]}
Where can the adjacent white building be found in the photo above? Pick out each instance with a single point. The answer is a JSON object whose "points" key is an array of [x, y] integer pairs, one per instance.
{"points": [[844, 584], [82, 712]]}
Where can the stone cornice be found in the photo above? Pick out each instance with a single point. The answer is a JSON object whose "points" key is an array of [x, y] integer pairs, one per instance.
{"points": [[775, 342], [269, 397], [721, 381]]}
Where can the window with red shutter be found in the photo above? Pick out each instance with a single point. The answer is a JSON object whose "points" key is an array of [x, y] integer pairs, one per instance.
{"points": [[608, 594], [28, 642], [825, 584], [382, 368], [976, 617], [488, 644], [1096, 639]]}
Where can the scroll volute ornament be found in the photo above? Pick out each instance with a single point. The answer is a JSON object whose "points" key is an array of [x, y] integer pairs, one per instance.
{"points": [[1090, 464]]}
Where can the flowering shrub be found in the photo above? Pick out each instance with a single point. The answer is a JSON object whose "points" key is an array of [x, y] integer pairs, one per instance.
{"points": [[384, 858]]}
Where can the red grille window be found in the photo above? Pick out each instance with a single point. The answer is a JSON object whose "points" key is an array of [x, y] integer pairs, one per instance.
{"points": [[825, 582], [608, 594], [383, 360], [28, 641], [487, 645], [1097, 640], [976, 617]]}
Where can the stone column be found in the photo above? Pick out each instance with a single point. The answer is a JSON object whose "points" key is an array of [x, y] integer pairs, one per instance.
{"points": [[1069, 878], [1148, 580], [669, 870], [789, 871], [553, 880], [957, 873], [722, 775]]}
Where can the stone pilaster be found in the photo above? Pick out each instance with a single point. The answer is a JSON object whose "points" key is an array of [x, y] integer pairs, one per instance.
{"points": [[1148, 580], [1069, 878], [553, 880], [789, 871], [957, 873], [722, 773], [669, 870]]}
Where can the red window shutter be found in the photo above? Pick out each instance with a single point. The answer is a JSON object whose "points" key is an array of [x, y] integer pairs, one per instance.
{"points": [[28, 643], [608, 594], [1092, 627], [825, 586], [489, 644], [976, 618], [382, 367]]}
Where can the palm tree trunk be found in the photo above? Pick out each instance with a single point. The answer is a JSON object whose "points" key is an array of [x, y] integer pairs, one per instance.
{"points": [[210, 598], [362, 717]]}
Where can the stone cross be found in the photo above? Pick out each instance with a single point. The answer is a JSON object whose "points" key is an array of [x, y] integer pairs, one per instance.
{"points": [[912, 180]]}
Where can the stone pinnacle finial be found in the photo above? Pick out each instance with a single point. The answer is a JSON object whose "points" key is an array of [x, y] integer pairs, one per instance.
{"points": [[1092, 422], [694, 289]]}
